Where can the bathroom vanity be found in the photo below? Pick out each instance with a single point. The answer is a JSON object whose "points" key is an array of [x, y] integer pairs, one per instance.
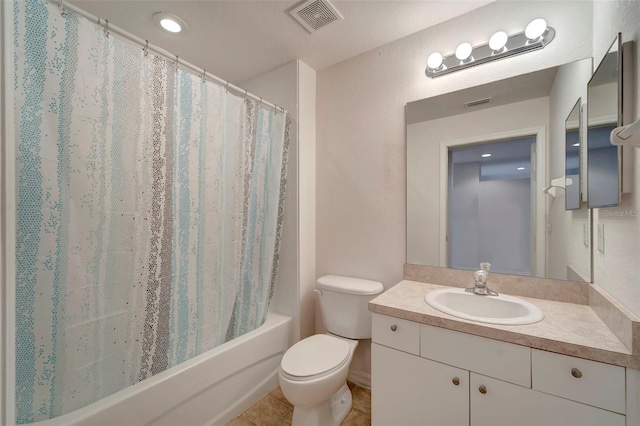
{"points": [[430, 368]]}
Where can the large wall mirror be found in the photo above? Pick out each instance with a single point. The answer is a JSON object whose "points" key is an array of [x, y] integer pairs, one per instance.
{"points": [[603, 158], [477, 165]]}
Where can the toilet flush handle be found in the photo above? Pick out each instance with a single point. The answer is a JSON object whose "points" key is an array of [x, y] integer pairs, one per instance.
{"points": [[318, 291]]}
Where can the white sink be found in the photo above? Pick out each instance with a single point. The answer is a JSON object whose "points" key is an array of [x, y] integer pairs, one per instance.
{"points": [[502, 309]]}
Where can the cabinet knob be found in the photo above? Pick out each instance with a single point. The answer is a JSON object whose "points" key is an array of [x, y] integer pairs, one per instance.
{"points": [[456, 381], [394, 327], [576, 373], [482, 389]]}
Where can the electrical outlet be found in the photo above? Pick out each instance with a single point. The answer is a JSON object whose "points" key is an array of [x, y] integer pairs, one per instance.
{"points": [[600, 235]]}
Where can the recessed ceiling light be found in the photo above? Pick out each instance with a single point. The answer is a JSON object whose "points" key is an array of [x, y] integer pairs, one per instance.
{"points": [[169, 22], [576, 144], [486, 155], [520, 168]]}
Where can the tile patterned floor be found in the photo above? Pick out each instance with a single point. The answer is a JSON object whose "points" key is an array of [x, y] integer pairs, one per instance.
{"points": [[275, 410]]}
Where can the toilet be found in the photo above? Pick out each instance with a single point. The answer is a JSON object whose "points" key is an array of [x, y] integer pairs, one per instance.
{"points": [[313, 372]]}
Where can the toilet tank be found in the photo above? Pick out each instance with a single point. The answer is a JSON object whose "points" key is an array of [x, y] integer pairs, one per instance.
{"points": [[344, 305]]}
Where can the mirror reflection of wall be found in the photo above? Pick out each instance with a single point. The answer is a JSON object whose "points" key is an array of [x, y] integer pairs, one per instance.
{"points": [[445, 188], [603, 159], [573, 141]]}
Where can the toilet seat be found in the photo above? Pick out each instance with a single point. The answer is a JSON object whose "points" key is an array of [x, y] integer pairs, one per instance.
{"points": [[314, 357]]}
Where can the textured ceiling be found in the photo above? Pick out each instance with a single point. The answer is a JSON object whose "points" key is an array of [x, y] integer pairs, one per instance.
{"points": [[238, 40]]}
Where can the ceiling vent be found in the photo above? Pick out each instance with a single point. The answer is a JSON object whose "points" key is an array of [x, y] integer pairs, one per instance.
{"points": [[315, 14], [478, 102]]}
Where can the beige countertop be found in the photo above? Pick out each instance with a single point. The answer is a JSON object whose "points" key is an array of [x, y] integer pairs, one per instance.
{"points": [[567, 328]]}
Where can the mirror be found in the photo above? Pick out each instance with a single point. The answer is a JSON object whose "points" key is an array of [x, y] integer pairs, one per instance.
{"points": [[476, 170], [603, 158], [573, 141]]}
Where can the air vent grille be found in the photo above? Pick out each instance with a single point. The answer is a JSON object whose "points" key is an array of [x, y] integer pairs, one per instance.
{"points": [[478, 102], [315, 14]]}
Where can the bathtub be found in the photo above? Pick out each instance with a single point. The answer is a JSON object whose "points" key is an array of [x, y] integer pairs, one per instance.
{"points": [[210, 389]]}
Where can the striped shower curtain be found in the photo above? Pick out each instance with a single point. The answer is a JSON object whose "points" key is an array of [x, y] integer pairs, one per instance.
{"points": [[149, 212]]}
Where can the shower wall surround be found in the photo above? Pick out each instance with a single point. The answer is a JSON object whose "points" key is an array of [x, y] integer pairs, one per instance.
{"points": [[149, 212]]}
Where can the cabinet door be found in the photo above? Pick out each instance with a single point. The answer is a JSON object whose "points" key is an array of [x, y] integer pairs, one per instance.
{"points": [[408, 390], [505, 404]]}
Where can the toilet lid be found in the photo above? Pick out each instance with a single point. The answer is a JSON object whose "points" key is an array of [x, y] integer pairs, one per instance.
{"points": [[314, 355]]}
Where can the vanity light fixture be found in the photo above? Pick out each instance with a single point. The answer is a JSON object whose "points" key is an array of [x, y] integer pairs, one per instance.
{"points": [[497, 42], [485, 155], [501, 45], [434, 61], [463, 53], [169, 22]]}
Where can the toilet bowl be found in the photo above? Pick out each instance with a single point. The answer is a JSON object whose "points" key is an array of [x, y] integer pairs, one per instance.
{"points": [[317, 388], [313, 372]]}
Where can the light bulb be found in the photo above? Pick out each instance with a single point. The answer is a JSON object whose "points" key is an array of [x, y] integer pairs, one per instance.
{"points": [[170, 25], [434, 61], [575, 144], [520, 168], [535, 29], [485, 155], [498, 41], [463, 51], [169, 22]]}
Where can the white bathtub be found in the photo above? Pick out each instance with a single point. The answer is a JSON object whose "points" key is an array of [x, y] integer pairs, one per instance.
{"points": [[210, 389]]}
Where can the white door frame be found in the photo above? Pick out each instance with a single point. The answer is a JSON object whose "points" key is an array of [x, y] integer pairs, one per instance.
{"points": [[539, 239]]}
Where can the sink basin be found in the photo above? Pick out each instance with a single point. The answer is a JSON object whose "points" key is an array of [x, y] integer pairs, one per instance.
{"points": [[502, 309]]}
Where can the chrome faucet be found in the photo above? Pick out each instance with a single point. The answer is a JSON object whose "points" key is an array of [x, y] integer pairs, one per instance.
{"points": [[480, 288]]}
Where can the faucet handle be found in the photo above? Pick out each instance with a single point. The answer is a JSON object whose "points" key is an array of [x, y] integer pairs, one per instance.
{"points": [[481, 277], [485, 266]]}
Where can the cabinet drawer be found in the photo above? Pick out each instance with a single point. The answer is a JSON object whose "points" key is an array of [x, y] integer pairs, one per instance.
{"points": [[504, 361], [594, 383], [497, 403], [396, 333]]}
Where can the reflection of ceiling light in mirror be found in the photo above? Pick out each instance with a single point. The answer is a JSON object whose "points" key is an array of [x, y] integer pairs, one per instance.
{"points": [[535, 29], [576, 144], [486, 155], [498, 41], [169, 22], [520, 168], [434, 61]]}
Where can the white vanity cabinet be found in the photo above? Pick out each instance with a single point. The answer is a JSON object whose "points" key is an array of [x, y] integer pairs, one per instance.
{"points": [[425, 375]]}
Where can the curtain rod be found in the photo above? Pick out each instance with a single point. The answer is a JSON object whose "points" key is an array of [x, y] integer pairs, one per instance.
{"points": [[64, 7]]}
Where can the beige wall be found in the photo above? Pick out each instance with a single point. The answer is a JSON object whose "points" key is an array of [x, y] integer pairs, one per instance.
{"points": [[361, 130], [617, 270], [361, 163], [565, 245]]}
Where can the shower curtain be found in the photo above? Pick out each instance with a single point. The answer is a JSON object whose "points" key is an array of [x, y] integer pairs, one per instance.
{"points": [[149, 212]]}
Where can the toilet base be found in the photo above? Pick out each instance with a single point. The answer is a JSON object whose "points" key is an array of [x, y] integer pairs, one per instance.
{"points": [[328, 413]]}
